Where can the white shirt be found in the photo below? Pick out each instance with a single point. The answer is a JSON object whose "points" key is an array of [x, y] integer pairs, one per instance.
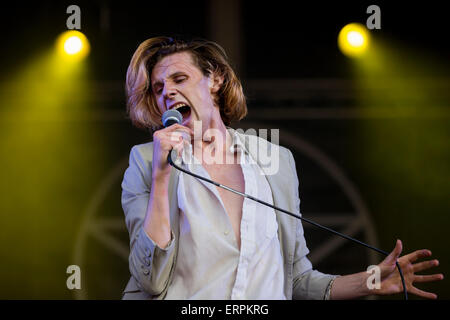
{"points": [[209, 263]]}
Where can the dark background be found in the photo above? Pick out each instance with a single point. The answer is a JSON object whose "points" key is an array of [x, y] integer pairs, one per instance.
{"points": [[372, 150]]}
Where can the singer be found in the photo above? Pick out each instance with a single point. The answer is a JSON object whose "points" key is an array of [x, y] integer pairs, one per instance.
{"points": [[192, 240]]}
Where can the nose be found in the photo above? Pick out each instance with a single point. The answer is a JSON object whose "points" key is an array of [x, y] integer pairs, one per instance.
{"points": [[169, 91]]}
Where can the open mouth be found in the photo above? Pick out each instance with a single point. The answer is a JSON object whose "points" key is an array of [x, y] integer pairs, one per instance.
{"points": [[184, 109]]}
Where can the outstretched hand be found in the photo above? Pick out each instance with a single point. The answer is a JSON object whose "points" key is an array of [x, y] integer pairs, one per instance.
{"points": [[390, 277]]}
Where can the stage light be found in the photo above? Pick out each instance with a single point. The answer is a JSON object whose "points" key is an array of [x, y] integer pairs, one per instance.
{"points": [[73, 45], [353, 40]]}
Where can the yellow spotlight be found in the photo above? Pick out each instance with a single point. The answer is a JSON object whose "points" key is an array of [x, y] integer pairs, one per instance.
{"points": [[353, 40], [73, 45]]}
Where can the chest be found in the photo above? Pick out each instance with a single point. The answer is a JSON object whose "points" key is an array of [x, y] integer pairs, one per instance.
{"points": [[231, 176]]}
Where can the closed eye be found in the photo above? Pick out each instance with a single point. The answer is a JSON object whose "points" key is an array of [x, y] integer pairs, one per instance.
{"points": [[157, 90], [179, 79]]}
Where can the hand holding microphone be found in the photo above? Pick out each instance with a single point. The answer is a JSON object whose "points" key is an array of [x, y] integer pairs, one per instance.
{"points": [[164, 140]]}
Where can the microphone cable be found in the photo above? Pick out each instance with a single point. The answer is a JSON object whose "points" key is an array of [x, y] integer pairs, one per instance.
{"points": [[171, 162]]}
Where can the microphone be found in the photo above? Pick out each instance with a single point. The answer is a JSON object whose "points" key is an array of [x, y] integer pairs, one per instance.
{"points": [[170, 118]]}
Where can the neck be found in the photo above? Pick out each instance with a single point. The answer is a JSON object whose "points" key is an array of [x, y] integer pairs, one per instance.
{"points": [[215, 141]]}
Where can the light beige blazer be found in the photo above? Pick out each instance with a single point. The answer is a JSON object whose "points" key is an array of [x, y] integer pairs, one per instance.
{"points": [[152, 267]]}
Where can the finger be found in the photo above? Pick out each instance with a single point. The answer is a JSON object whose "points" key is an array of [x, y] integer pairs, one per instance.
{"points": [[423, 294], [428, 278], [393, 256], [175, 136], [179, 147], [179, 135], [425, 265], [177, 126], [167, 143], [177, 155], [418, 254], [169, 140]]}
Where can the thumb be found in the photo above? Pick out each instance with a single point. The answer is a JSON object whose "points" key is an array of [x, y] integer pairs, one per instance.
{"points": [[393, 256]]}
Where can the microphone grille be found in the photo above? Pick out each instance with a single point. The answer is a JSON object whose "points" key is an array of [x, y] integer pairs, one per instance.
{"points": [[171, 116]]}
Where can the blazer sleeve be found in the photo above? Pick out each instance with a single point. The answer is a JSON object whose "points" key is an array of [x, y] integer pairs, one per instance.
{"points": [[307, 283], [149, 264]]}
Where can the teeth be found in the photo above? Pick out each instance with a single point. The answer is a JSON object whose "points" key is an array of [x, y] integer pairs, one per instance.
{"points": [[179, 105]]}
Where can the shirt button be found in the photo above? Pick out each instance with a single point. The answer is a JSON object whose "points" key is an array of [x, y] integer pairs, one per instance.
{"points": [[226, 232], [146, 272], [147, 261]]}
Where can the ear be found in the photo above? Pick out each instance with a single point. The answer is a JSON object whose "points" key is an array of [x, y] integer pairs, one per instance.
{"points": [[216, 82]]}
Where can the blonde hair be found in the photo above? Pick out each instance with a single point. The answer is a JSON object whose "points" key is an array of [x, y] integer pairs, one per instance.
{"points": [[209, 57]]}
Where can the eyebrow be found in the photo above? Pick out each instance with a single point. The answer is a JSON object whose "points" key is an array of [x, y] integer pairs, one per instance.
{"points": [[173, 75]]}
